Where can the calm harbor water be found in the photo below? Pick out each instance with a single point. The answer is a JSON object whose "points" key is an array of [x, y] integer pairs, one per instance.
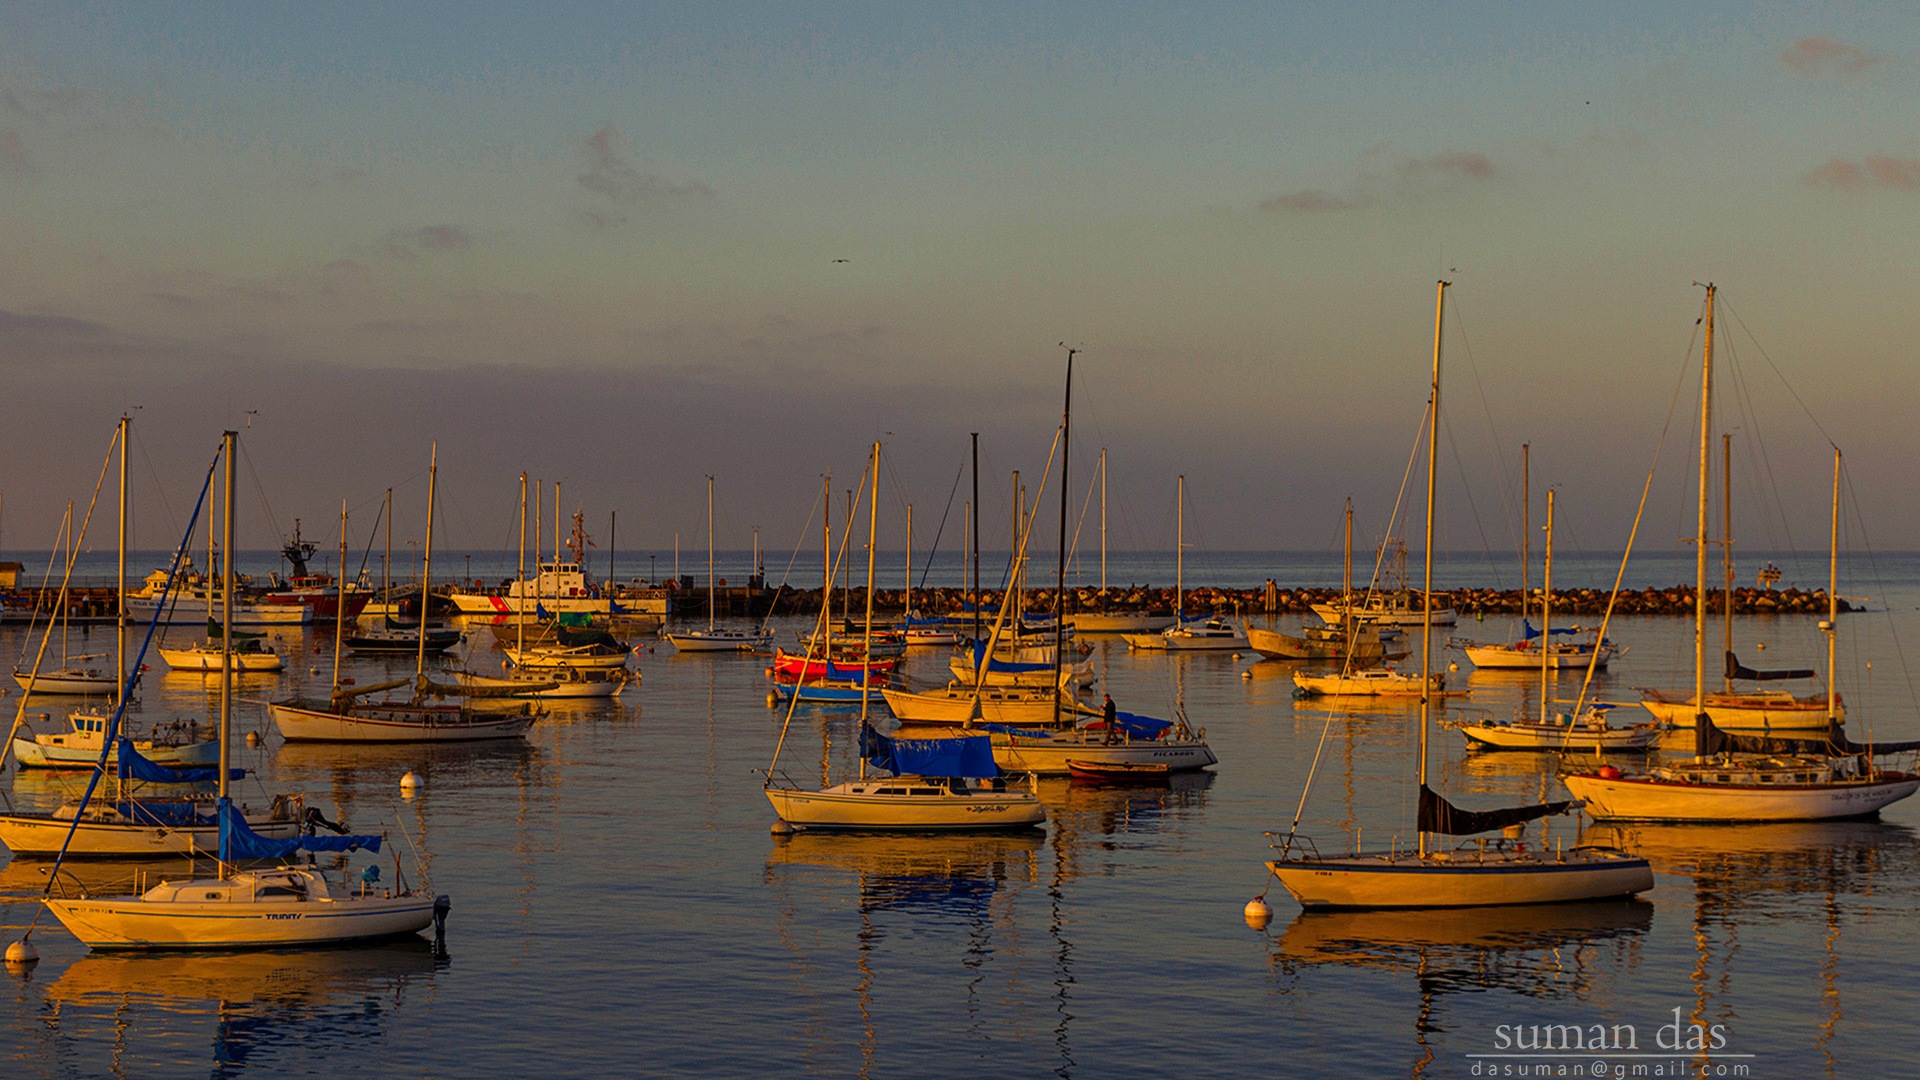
{"points": [[620, 908]]}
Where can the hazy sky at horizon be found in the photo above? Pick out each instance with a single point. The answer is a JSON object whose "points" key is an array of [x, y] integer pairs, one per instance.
{"points": [[603, 244]]}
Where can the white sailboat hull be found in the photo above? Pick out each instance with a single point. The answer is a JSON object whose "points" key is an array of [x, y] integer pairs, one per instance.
{"points": [[249, 909], [184, 611], [871, 804], [1385, 615], [1529, 736], [209, 660], [66, 682], [1049, 757], [40, 835], [400, 723], [1648, 798], [1507, 658], [720, 640], [1378, 682], [1461, 878], [1746, 712], [1020, 706], [1088, 623]]}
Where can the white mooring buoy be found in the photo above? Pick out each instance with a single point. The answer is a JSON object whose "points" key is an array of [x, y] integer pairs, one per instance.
{"points": [[1247, 674], [408, 782], [1258, 913], [782, 828], [22, 954]]}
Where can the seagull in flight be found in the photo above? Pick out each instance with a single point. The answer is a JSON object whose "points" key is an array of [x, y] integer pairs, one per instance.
{"points": [[839, 260]]}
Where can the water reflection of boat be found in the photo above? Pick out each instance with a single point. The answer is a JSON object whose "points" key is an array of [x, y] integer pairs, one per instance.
{"points": [[1531, 949], [952, 872], [1745, 862], [309, 976]]}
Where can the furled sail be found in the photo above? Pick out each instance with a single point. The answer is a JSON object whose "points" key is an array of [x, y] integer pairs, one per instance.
{"points": [[1437, 815], [1709, 740], [1735, 670], [135, 766]]}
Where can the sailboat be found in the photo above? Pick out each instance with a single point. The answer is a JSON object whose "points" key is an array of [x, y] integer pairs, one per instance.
{"points": [[281, 906], [1348, 640], [1746, 709], [1205, 632], [1537, 648], [1781, 779], [71, 678], [942, 783], [1500, 871], [344, 718], [1589, 731], [130, 824], [715, 639], [1114, 622]]}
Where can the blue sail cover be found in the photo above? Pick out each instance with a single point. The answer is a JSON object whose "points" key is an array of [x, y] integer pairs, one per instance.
{"points": [[969, 755], [1531, 633], [135, 766], [241, 844], [1141, 727]]}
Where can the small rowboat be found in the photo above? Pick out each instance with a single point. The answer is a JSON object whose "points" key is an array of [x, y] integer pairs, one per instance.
{"points": [[1125, 772]]}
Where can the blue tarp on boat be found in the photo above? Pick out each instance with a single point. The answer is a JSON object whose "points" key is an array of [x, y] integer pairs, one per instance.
{"points": [[134, 766], [1532, 633], [969, 755], [241, 844]]}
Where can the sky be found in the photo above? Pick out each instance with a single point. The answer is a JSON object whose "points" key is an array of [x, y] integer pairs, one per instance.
{"points": [[624, 247]]}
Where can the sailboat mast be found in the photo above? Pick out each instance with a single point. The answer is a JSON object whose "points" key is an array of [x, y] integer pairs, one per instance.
{"points": [[907, 603], [226, 616], [1060, 580], [1833, 597], [1546, 611], [520, 576], [1526, 530], [1103, 520], [1726, 545], [120, 582], [976, 536], [340, 603], [710, 598], [1179, 549], [1700, 532], [873, 542], [826, 580], [426, 571], [1426, 603]]}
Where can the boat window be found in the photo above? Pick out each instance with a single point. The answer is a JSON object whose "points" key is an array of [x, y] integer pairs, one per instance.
{"points": [[926, 791], [893, 791], [214, 896]]}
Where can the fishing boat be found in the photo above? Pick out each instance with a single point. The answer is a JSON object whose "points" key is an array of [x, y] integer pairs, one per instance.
{"points": [[251, 908], [1389, 603], [326, 595], [342, 717], [1480, 872], [716, 638], [1201, 632], [1731, 778], [176, 744]]}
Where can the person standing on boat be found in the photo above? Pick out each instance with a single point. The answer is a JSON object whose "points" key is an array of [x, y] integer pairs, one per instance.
{"points": [[1110, 714]]}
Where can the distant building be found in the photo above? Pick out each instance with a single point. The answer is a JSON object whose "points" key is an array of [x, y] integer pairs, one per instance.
{"points": [[10, 575]]}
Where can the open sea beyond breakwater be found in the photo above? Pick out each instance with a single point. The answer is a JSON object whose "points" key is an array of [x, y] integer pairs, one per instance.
{"points": [[619, 907]]}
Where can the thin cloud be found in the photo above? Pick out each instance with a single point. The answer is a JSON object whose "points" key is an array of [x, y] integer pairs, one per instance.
{"points": [[1308, 201], [407, 244], [1387, 175], [1876, 172], [1825, 58], [13, 155], [15, 327], [612, 174]]}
